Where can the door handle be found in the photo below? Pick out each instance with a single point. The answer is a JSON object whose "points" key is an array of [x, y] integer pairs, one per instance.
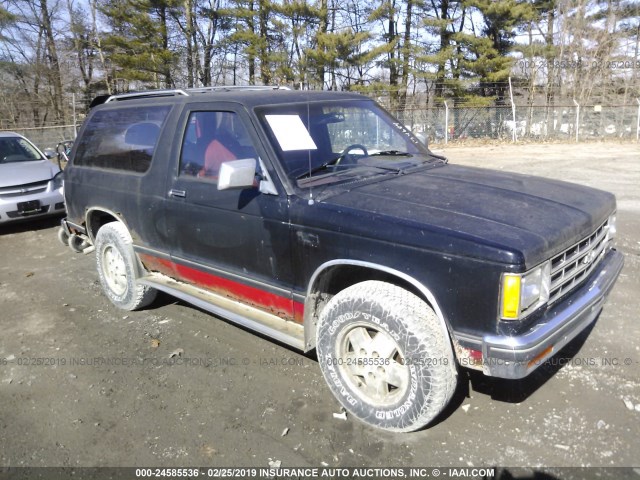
{"points": [[177, 193]]}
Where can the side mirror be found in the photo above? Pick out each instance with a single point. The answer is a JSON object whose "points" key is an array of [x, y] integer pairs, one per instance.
{"points": [[237, 174], [49, 153]]}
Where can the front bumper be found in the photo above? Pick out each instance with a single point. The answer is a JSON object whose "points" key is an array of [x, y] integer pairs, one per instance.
{"points": [[48, 202], [517, 356]]}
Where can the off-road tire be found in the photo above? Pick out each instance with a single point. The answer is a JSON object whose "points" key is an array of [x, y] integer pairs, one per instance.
{"points": [[385, 356], [118, 268]]}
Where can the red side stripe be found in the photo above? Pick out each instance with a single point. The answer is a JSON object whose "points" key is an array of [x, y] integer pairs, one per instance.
{"points": [[278, 305]]}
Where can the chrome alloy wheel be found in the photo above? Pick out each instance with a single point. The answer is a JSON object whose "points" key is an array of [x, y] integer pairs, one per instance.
{"points": [[372, 362], [114, 269]]}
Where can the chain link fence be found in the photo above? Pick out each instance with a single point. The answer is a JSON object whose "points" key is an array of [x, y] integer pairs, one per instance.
{"points": [[560, 122], [447, 123], [48, 137]]}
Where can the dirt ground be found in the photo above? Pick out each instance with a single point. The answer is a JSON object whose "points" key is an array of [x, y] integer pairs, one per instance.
{"points": [[84, 384]]}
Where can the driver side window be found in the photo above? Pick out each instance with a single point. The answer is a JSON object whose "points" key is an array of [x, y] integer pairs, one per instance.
{"points": [[212, 138]]}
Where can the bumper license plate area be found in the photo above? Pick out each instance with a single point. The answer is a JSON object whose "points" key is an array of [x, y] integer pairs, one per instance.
{"points": [[27, 208]]}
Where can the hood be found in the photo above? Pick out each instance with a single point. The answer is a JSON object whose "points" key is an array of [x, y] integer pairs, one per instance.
{"points": [[528, 219], [21, 173]]}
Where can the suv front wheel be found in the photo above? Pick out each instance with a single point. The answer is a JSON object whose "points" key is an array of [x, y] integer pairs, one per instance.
{"points": [[117, 262], [384, 355]]}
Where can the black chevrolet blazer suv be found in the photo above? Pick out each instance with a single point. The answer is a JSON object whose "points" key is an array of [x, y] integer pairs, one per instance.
{"points": [[318, 219]]}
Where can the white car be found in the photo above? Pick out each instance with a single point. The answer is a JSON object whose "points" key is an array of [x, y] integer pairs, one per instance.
{"points": [[30, 184]]}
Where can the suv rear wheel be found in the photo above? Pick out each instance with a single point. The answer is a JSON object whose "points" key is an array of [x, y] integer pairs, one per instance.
{"points": [[117, 267], [385, 357]]}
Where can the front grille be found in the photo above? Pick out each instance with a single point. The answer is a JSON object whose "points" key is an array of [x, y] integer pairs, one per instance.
{"points": [[26, 189], [574, 265]]}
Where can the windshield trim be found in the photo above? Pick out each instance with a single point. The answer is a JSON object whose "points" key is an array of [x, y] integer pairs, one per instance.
{"points": [[292, 171]]}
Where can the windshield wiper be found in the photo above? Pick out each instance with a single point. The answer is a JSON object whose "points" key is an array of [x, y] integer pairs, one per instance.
{"points": [[319, 168], [391, 153], [384, 153]]}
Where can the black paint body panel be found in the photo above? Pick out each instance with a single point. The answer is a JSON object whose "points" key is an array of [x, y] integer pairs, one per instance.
{"points": [[453, 229]]}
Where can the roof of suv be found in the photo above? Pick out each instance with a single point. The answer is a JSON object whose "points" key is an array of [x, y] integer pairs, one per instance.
{"points": [[248, 96]]}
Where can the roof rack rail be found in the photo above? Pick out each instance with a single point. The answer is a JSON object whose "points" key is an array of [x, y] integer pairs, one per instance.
{"points": [[235, 87], [185, 92], [148, 93]]}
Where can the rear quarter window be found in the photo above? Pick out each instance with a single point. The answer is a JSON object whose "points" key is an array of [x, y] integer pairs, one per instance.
{"points": [[122, 139]]}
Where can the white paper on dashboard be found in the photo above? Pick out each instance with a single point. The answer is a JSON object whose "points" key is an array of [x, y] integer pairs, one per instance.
{"points": [[291, 132]]}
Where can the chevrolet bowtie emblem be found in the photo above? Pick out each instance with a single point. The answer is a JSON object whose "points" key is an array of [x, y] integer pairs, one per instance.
{"points": [[589, 257]]}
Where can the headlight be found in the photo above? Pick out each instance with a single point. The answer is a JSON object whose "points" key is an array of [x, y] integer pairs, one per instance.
{"points": [[57, 181], [521, 293]]}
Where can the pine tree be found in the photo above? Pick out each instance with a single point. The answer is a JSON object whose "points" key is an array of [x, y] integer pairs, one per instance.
{"points": [[138, 42], [258, 39], [491, 44], [6, 18], [297, 22], [445, 20]]}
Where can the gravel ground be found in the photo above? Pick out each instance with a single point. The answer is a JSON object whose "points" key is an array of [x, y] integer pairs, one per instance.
{"points": [[84, 384]]}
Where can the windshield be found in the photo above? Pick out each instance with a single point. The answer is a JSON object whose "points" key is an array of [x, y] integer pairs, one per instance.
{"points": [[320, 138], [16, 149]]}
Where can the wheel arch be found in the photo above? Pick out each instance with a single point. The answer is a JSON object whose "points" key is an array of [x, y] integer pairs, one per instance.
{"points": [[97, 217], [335, 275]]}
